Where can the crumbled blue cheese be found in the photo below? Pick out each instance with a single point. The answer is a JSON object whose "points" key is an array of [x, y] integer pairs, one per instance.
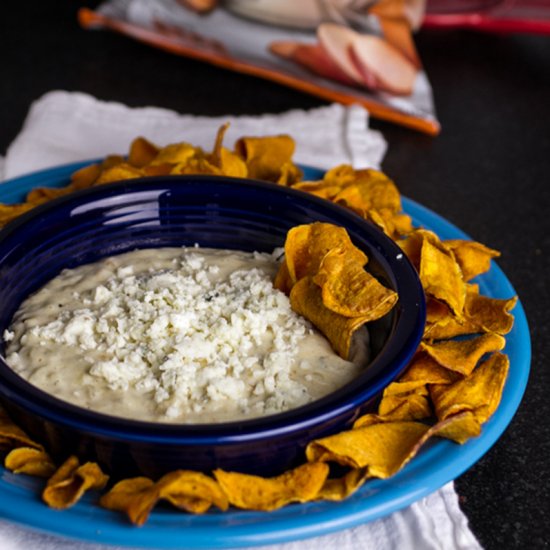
{"points": [[205, 332]]}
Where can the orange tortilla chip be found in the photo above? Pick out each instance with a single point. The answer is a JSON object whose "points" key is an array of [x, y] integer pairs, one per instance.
{"points": [[30, 461], [306, 300], [478, 393], [71, 481], [250, 492], [474, 258], [462, 356]]}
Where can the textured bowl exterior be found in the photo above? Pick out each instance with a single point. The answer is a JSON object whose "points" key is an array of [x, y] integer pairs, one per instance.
{"points": [[214, 212]]}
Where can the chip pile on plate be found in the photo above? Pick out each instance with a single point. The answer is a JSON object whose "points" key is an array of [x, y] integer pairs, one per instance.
{"points": [[451, 387]]}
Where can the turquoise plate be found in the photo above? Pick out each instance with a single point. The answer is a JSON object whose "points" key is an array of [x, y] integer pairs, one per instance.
{"points": [[437, 463]]}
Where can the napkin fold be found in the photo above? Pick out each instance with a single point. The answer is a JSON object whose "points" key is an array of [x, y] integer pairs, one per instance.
{"points": [[64, 127]]}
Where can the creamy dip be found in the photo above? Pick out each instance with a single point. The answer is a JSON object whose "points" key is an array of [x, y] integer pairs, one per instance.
{"points": [[175, 335]]}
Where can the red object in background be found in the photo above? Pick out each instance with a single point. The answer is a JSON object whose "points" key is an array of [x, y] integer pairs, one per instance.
{"points": [[526, 16]]}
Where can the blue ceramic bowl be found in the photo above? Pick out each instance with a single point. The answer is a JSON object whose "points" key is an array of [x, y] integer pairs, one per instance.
{"points": [[215, 212]]}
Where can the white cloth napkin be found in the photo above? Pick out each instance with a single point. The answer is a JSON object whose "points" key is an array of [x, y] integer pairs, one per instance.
{"points": [[63, 127]]}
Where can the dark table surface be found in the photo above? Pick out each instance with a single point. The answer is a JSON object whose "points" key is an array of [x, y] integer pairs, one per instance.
{"points": [[488, 172]]}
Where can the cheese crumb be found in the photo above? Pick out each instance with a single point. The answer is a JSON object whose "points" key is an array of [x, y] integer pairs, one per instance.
{"points": [[187, 337]]}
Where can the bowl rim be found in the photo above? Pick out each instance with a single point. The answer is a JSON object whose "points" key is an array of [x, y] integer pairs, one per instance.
{"points": [[23, 393]]}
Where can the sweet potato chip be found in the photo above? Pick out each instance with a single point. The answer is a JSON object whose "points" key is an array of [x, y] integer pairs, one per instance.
{"points": [[307, 245], [176, 153], [474, 258], [337, 489], [370, 189], [12, 436], [290, 173], [297, 256], [218, 144], [85, 177], [436, 311], [250, 492], [349, 290], [459, 427], [425, 370], [120, 172], [229, 164], [441, 276], [142, 152], [340, 175], [282, 280], [450, 328], [321, 188], [264, 156], [383, 448], [196, 165], [9, 212], [481, 314], [462, 356], [71, 481], [191, 491], [491, 314], [478, 393], [232, 165], [31, 461], [406, 405], [135, 496], [306, 300]]}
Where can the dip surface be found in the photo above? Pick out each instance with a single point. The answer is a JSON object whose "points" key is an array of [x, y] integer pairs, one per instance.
{"points": [[179, 335]]}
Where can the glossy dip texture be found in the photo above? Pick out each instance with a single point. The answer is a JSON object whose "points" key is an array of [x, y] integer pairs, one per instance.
{"points": [[215, 212], [179, 335]]}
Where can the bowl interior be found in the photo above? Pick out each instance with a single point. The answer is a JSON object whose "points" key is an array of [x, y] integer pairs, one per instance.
{"points": [[214, 212]]}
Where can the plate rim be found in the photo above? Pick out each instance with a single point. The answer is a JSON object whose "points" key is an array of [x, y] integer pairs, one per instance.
{"points": [[87, 522]]}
